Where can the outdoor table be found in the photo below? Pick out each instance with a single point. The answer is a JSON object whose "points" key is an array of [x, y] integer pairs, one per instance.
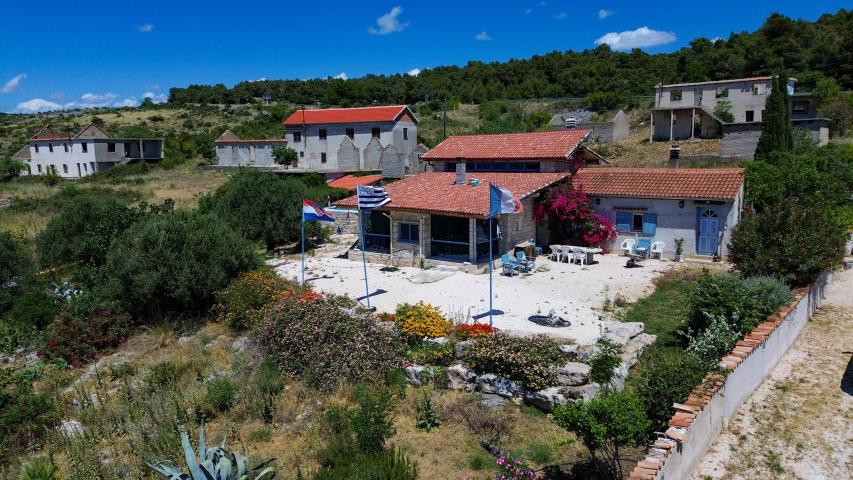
{"points": [[590, 252]]}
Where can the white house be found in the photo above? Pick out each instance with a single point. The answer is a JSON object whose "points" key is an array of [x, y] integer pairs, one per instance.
{"points": [[353, 139], [88, 152]]}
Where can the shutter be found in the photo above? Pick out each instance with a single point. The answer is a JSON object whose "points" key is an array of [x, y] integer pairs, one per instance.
{"points": [[650, 221], [623, 221]]}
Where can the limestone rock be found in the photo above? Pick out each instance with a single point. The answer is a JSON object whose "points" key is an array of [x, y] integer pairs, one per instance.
{"points": [[70, 428], [415, 374], [493, 401], [620, 333], [584, 392], [460, 377], [491, 383], [461, 347], [436, 340], [572, 373], [548, 398], [569, 349]]}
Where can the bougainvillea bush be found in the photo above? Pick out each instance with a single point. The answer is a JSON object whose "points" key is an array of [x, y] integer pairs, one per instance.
{"points": [[421, 320], [325, 341], [525, 360], [85, 327], [572, 218], [243, 302], [513, 468]]}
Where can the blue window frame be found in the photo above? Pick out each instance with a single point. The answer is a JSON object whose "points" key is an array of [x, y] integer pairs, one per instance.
{"points": [[645, 223], [409, 233]]}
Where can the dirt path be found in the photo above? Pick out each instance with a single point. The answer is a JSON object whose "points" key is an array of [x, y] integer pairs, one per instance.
{"points": [[799, 422]]}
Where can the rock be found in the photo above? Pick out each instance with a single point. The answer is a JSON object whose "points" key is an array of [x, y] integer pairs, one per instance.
{"points": [[70, 428], [638, 343], [493, 401], [584, 392], [436, 340], [491, 383], [569, 349], [621, 332], [276, 262], [241, 344], [415, 375], [19, 351], [572, 373], [460, 377], [461, 347], [585, 352], [548, 398], [184, 338]]}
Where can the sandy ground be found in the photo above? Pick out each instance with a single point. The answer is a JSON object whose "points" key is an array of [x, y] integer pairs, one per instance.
{"points": [[576, 293], [799, 422]]}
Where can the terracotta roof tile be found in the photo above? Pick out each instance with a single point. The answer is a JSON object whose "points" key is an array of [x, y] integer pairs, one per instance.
{"points": [[23, 154], [559, 144], [349, 182], [48, 133], [705, 183], [437, 192], [346, 115]]}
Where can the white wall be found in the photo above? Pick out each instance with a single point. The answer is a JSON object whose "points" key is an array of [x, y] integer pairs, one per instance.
{"points": [[310, 149], [60, 158], [245, 153]]}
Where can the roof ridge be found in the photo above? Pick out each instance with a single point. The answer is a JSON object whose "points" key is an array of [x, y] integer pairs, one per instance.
{"points": [[352, 108], [552, 132]]}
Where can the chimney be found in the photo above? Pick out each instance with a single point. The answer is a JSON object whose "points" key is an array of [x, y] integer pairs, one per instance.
{"points": [[460, 172], [674, 152]]}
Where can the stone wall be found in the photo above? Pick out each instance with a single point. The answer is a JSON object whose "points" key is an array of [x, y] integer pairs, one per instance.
{"points": [[697, 422]]}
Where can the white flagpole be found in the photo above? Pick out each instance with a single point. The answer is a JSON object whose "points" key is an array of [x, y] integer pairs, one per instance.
{"points": [[364, 256], [303, 245], [490, 270]]}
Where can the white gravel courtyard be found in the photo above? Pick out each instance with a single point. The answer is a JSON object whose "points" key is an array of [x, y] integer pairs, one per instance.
{"points": [[574, 292]]}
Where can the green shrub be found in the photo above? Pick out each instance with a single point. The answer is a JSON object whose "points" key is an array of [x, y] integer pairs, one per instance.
{"points": [[14, 259], [14, 335], [325, 343], [11, 168], [372, 419], [792, 243], [525, 360], [426, 415], [602, 363], [664, 377], [175, 263], [714, 342], [35, 307], [26, 416], [40, 468], [748, 300], [122, 370], [84, 327], [220, 395], [431, 354], [243, 302], [385, 465], [163, 374]]}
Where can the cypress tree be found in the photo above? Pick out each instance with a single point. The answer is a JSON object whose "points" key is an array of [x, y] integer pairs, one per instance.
{"points": [[776, 133]]}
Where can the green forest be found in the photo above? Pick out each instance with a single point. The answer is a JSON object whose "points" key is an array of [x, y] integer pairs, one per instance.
{"points": [[807, 50]]}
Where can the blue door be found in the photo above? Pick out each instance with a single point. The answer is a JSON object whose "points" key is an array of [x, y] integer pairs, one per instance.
{"points": [[709, 227]]}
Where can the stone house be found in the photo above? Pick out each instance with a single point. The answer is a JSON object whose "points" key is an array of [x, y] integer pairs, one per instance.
{"points": [[232, 151], [88, 152], [617, 127], [440, 217], [700, 205], [354, 139], [554, 151]]}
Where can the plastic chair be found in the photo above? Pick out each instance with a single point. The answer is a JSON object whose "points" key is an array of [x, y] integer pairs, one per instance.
{"points": [[643, 246], [524, 263], [556, 251], [657, 248], [579, 256], [510, 266], [627, 246]]}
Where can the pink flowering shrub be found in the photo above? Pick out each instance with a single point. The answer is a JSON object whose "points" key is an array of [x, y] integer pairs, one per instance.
{"points": [[513, 468], [525, 360], [572, 217], [322, 341]]}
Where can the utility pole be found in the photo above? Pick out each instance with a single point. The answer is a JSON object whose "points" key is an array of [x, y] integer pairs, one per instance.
{"points": [[445, 117]]}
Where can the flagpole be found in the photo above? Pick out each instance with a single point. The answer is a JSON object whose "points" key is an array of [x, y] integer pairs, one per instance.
{"points": [[303, 246], [363, 255], [490, 270]]}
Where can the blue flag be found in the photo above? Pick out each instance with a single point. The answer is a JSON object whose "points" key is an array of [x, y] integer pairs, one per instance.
{"points": [[501, 201]]}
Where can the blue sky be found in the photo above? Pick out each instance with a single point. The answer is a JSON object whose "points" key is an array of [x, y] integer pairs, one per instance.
{"points": [[95, 53]]}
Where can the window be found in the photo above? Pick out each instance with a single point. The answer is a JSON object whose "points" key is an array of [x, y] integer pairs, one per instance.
{"points": [[750, 116], [50, 147], [322, 134], [39, 168], [37, 148], [722, 92], [675, 95], [297, 137], [759, 89], [351, 133], [405, 133], [302, 154], [637, 222], [409, 233], [111, 147], [65, 145], [374, 132], [64, 168], [85, 147], [323, 157], [800, 106]]}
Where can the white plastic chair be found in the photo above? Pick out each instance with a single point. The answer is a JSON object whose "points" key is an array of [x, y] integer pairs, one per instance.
{"points": [[556, 251], [579, 256], [657, 248], [627, 246]]}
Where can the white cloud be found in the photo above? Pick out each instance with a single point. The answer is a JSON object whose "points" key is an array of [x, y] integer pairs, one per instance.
{"points": [[483, 36], [156, 97], [14, 83], [127, 102], [715, 39], [414, 72], [642, 37], [389, 23], [145, 27], [94, 98], [602, 14], [37, 105], [341, 76], [560, 16]]}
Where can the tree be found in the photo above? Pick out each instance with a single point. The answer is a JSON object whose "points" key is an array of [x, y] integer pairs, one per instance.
{"points": [[15, 260], [285, 155], [723, 111], [665, 376], [11, 168], [776, 132], [175, 263], [606, 424]]}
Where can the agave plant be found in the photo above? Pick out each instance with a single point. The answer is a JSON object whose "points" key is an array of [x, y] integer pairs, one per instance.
{"points": [[214, 463]]}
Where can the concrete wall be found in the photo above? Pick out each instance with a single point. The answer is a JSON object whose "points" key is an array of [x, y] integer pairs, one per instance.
{"points": [[740, 384], [70, 161], [615, 129], [740, 140], [311, 147], [245, 153], [740, 95], [673, 221]]}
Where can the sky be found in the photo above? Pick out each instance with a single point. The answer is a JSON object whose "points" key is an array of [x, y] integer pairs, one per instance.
{"points": [[59, 55]]}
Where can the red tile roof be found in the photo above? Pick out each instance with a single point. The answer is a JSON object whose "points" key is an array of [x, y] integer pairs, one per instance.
{"points": [[349, 182], [346, 115], [48, 133], [436, 192], [559, 144], [710, 183]]}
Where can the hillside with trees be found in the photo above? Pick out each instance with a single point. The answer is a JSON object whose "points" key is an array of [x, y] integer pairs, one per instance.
{"points": [[808, 50]]}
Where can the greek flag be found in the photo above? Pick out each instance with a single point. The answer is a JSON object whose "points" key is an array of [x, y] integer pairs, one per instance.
{"points": [[371, 197]]}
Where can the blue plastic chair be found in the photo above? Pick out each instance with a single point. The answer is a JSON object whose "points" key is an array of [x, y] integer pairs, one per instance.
{"points": [[523, 261], [510, 266], [643, 246]]}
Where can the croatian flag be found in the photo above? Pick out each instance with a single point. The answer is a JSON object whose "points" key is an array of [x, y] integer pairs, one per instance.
{"points": [[314, 213], [501, 201]]}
